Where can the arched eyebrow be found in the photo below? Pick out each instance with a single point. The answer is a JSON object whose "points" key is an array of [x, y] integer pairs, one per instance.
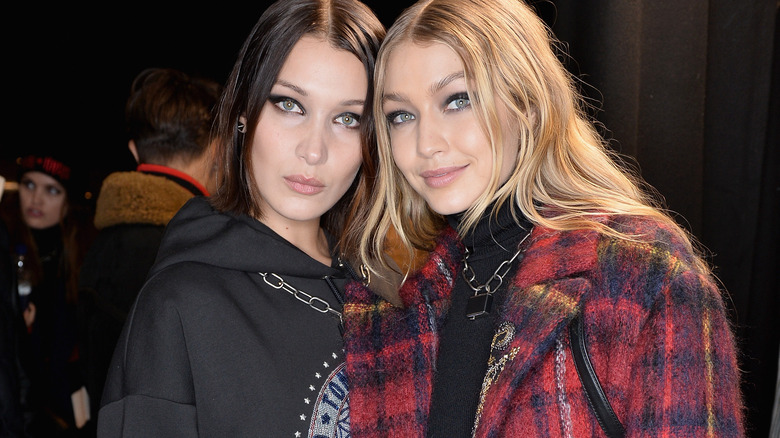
{"points": [[302, 92], [433, 89], [293, 87], [394, 97], [445, 81]]}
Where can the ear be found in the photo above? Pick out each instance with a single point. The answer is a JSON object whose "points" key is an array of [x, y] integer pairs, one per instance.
{"points": [[241, 126], [133, 150]]}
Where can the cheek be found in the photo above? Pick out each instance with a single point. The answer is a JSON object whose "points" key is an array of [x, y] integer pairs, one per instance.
{"points": [[56, 205], [267, 152], [348, 164], [404, 159], [353, 166], [403, 154]]}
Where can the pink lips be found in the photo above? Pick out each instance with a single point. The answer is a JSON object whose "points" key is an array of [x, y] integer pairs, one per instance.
{"points": [[442, 176], [303, 185]]}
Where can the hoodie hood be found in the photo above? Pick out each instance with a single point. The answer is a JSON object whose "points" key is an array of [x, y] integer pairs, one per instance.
{"points": [[200, 234]]}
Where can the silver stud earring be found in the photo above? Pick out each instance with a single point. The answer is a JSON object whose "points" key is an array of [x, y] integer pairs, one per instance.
{"points": [[241, 127]]}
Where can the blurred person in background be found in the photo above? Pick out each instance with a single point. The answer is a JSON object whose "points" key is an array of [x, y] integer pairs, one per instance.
{"points": [[51, 236], [169, 115]]}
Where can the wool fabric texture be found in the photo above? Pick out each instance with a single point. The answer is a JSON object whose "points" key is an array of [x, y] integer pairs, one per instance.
{"points": [[154, 199], [656, 329]]}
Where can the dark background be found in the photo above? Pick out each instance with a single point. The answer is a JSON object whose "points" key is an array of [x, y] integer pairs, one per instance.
{"points": [[72, 67], [687, 88]]}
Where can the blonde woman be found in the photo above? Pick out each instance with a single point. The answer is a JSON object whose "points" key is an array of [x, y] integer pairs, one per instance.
{"points": [[549, 255]]}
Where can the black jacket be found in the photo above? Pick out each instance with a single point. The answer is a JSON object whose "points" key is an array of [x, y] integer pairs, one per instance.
{"points": [[11, 326], [211, 350], [131, 213]]}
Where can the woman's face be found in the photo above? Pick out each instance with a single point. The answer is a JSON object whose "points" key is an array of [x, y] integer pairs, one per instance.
{"points": [[42, 200], [436, 139], [307, 146]]}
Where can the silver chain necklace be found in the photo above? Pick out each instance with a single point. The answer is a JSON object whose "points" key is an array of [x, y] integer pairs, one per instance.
{"points": [[316, 303], [481, 303]]}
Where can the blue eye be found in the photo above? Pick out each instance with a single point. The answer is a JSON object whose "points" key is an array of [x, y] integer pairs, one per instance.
{"points": [[399, 117], [350, 120], [458, 102]]}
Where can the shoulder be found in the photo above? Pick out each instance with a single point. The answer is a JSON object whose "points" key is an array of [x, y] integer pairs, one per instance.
{"points": [[656, 262], [182, 281], [649, 240], [136, 197], [182, 292], [134, 235], [648, 243]]}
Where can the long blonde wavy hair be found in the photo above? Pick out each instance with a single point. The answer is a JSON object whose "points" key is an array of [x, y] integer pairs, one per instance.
{"points": [[565, 174]]}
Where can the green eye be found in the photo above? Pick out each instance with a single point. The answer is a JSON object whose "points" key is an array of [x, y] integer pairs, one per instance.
{"points": [[286, 104], [349, 120]]}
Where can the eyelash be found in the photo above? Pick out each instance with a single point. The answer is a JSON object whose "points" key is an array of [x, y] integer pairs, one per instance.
{"points": [[391, 117], [280, 102], [396, 114], [459, 96], [355, 120]]}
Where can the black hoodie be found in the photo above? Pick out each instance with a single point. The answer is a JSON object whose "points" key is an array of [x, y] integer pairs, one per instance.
{"points": [[211, 350]]}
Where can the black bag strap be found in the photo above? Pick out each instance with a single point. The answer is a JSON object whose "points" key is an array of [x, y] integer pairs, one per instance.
{"points": [[597, 400]]}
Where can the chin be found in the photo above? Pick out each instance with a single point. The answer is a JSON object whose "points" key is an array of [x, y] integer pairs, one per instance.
{"points": [[450, 201], [447, 209]]}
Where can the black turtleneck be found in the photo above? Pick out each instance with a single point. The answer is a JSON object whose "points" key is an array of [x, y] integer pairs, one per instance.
{"points": [[49, 242], [464, 346]]}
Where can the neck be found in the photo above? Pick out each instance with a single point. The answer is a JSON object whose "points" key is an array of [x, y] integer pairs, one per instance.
{"points": [[307, 236], [494, 235]]}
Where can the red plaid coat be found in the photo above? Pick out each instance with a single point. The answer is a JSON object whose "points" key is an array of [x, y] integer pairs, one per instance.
{"points": [[656, 330]]}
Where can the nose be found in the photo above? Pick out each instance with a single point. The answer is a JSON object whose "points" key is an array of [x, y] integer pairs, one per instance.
{"points": [[36, 196], [313, 146], [431, 138]]}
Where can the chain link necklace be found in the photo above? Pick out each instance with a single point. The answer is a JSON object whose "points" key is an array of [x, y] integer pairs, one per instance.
{"points": [[277, 282], [481, 303], [316, 303]]}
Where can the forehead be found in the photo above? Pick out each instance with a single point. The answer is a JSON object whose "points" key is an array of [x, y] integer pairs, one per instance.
{"points": [[314, 64], [411, 63]]}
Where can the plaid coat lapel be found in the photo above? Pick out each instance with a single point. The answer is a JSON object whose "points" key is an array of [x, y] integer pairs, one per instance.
{"points": [[391, 351], [543, 298]]}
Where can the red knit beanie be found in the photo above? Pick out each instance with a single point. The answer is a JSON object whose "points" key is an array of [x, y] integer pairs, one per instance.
{"points": [[48, 165]]}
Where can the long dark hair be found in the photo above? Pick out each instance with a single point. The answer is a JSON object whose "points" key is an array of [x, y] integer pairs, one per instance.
{"points": [[346, 24], [75, 233]]}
